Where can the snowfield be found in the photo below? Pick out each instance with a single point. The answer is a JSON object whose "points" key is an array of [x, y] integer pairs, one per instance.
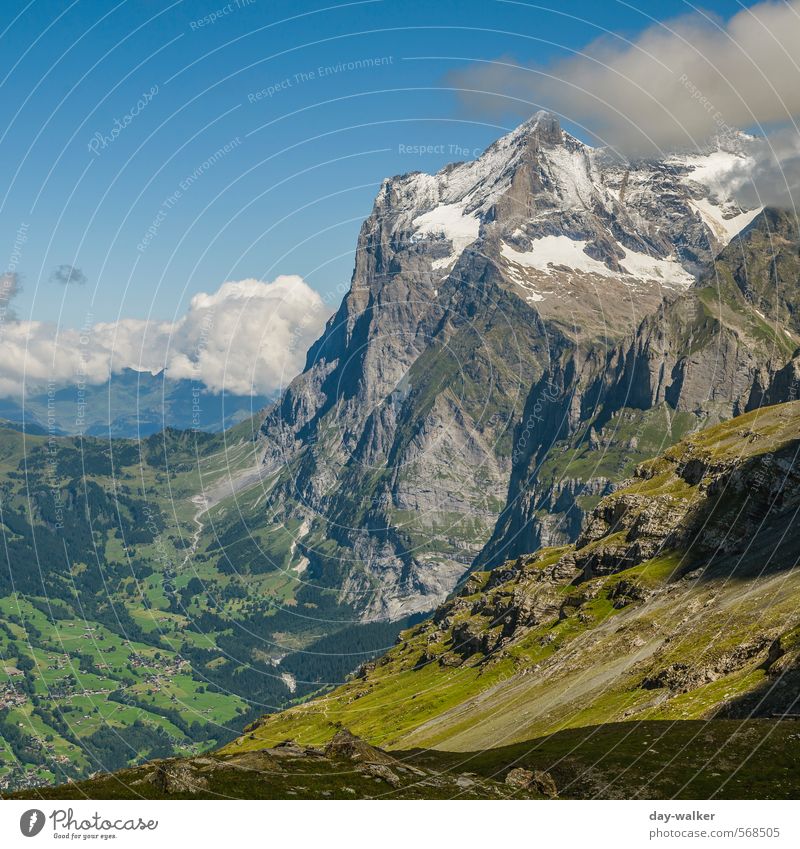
{"points": [[551, 254], [449, 221]]}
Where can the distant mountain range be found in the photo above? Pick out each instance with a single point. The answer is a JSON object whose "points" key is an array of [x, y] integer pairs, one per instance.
{"points": [[129, 405]]}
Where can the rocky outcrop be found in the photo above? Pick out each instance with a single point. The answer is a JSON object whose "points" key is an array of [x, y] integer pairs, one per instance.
{"points": [[538, 780], [691, 500], [777, 697], [177, 778], [352, 748], [685, 677]]}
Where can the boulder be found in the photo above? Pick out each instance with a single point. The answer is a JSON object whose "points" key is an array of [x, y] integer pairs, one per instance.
{"points": [[352, 748], [538, 780], [519, 777], [177, 778]]}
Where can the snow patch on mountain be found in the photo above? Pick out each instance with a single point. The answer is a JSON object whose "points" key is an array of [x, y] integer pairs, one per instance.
{"points": [[723, 228], [450, 222], [552, 254], [668, 272], [714, 172], [571, 172]]}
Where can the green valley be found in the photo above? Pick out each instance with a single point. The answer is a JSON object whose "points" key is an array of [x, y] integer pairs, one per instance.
{"points": [[137, 621], [657, 657]]}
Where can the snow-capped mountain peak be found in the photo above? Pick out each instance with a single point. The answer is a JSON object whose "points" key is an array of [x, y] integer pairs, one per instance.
{"points": [[550, 209]]}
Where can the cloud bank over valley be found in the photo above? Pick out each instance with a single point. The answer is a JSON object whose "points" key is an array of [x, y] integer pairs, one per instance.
{"points": [[249, 337]]}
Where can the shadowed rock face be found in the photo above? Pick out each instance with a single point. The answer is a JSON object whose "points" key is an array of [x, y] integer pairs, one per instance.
{"points": [[784, 385], [393, 450]]}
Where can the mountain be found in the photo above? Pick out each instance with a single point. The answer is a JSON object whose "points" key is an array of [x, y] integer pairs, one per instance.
{"points": [[392, 451], [130, 405], [657, 657]]}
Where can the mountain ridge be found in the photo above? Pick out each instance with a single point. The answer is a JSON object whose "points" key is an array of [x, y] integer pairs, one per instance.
{"points": [[131, 404], [702, 356], [468, 285]]}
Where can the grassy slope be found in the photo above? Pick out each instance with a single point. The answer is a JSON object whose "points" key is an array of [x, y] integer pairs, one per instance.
{"points": [[586, 663]]}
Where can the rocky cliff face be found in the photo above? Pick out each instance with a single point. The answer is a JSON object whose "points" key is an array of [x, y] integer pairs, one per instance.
{"points": [[785, 384], [393, 450], [703, 356]]}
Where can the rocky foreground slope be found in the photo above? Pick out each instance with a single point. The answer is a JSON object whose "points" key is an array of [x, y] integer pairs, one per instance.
{"points": [[679, 601], [752, 759], [346, 768]]}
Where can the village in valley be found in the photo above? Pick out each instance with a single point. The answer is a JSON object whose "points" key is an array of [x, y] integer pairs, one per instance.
{"points": [[83, 699]]}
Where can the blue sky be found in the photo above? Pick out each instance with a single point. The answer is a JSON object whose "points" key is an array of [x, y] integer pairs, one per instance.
{"points": [[306, 149]]}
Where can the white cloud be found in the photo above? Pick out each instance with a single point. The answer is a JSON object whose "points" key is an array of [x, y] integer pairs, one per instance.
{"points": [[676, 84], [247, 333], [770, 175], [247, 337]]}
